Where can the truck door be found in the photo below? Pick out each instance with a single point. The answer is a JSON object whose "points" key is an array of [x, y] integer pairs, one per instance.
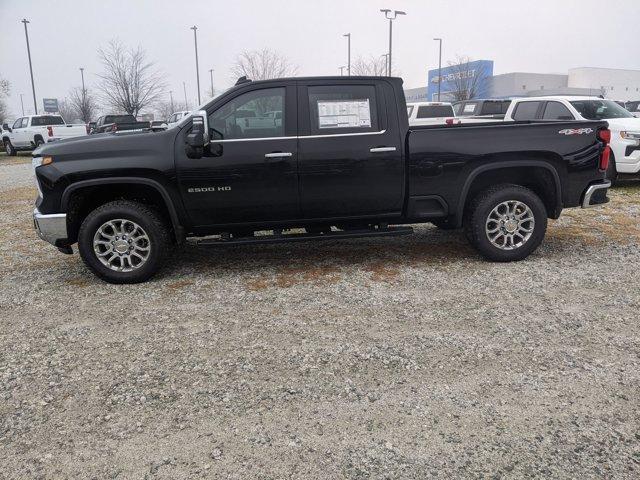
{"points": [[249, 173], [349, 150], [19, 132]]}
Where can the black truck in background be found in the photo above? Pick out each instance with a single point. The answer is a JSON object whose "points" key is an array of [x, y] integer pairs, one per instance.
{"points": [[322, 158], [117, 123]]}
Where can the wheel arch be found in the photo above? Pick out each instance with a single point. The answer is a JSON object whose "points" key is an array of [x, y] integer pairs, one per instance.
{"points": [[110, 189], [552, 202]]}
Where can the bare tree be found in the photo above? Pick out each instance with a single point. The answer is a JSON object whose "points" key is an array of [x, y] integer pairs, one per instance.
{"points": [[84, 105], [262, 65], [465, 78], [5, 87], [129, 81], [376, 66], [66, 109]]}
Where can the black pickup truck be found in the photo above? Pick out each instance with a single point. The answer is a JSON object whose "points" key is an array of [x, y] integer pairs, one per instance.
{"points": [[117, 123], [322, 158]]}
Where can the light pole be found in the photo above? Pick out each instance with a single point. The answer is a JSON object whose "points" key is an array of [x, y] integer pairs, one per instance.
{"points": [[439, 66], [348, 35], [195, 40], [211, 72], [184, 86], [341, 71], [386, 63], [22, 104], [171, 97], [391, 16], [33, 87]]}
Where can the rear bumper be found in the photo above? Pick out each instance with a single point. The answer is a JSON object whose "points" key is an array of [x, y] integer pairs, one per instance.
{"points": [[51, 228], [596, 194]]}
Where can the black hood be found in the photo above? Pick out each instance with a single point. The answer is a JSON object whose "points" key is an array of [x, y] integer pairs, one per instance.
{"points": [[108, 144]]}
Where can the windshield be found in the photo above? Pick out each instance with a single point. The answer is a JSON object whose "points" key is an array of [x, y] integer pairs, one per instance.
{"points": [[600, 109]]}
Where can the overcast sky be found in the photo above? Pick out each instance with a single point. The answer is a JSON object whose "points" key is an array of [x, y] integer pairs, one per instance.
{"points": [[545, 36]]}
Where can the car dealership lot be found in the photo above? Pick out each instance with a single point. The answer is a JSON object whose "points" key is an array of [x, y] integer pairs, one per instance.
{"points": [[367, 358]]}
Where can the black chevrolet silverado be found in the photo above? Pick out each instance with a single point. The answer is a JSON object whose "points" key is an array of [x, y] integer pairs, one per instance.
{"points": [[319, 158]]}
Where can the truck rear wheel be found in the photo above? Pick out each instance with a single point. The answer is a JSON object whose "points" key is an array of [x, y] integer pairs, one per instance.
{"points": [[124, 242], [506, 223]]}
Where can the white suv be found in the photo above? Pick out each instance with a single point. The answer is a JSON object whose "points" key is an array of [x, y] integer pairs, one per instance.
{"points": [[625, 128], [429, 113]]}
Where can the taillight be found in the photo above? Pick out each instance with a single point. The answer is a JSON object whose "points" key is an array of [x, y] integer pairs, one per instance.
{"points": [[50, 131], [605, 136]]}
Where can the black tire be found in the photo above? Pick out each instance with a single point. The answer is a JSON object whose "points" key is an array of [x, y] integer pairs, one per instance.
{"points": [[444, 224], [612, 172], [38, 141], [477, 214], [9, 148], [147, 218]]}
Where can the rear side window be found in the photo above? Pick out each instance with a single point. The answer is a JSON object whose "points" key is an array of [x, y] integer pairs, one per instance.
{"points": [[526, 111], [434, 111], [491, 108], [343, 109], [48, 120], [409, 110], [505, 106], [556, 111]]}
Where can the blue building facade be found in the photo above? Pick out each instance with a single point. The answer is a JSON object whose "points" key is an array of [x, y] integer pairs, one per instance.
{"points": [[478, 71]]}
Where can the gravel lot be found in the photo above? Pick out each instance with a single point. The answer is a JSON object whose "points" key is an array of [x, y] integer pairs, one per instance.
{"points": [[386, 358]]}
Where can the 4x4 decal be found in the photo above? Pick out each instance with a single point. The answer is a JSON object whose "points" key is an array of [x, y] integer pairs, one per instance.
{"points": [[576, 131]]}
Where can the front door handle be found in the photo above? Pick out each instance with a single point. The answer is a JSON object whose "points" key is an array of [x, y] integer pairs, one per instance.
{"points": [[382, 149], [278, 154]]}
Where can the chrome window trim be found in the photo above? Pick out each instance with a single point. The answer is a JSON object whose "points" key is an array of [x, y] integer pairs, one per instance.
{"points": [[299, 137]]}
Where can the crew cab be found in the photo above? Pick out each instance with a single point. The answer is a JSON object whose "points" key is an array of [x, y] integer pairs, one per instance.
{"points": [[429, 113], [342, 163], [625, 128], [118, 123], [32, 131]]}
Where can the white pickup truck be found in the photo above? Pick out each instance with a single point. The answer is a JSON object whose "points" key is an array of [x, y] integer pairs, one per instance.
{"points": [[430, 113], [624, 127], [28, 133]]}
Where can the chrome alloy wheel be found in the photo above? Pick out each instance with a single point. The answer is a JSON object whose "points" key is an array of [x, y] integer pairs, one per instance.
{"points": [[121, 245], [510, 225]]}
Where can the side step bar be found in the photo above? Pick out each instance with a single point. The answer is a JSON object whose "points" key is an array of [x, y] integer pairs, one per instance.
{"points": [[303, 237]]}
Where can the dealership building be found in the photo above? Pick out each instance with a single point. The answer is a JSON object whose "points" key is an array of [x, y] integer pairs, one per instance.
{"points": [[616, 84]]}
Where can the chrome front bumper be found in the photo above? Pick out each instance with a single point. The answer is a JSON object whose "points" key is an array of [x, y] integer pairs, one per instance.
{"points": [[51, 228], [591, 191]]}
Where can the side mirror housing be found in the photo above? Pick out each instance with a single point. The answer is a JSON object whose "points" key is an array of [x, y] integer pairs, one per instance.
{"points": [[198, 138], [5, 126]]}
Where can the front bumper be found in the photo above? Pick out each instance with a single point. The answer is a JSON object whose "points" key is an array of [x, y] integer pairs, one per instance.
{"points": [[51, 228], [596, 194]]}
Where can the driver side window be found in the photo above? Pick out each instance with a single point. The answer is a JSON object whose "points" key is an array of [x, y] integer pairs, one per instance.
{"points": [[17, 123], [255, 114]]}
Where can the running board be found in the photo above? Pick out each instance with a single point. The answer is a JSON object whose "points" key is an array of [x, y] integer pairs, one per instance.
{"points": [[304, 237]]}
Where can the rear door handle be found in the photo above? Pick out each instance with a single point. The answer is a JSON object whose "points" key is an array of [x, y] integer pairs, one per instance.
{"points": [[278, 154], [382, 149]]}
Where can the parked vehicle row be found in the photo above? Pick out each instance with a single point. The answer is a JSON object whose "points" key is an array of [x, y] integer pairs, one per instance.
{"points": [[31, 131], [624, 127], [342, 162], [117, 123]]}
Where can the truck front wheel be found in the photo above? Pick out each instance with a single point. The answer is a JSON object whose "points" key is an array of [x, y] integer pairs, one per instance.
{"points": [[123, 241], [506, 223], [8, 147]]}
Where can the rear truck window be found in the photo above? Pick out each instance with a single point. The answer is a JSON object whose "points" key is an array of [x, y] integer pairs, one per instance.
{"points": [[342, 109], [409, 110], [491, 108], [434, 111], [47, 120]]}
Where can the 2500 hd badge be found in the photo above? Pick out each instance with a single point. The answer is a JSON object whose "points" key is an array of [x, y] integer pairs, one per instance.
{"points": [[208, 189]]}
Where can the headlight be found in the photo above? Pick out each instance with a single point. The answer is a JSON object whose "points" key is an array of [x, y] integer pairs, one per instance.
{"points": [[38, 161], [630, 135]]}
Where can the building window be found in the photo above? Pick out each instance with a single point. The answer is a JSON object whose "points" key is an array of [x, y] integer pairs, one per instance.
{"points": [[541, 87], [524, 87], [612, 89]]}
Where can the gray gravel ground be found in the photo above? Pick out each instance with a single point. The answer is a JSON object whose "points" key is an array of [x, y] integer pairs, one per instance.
{"points": [[390, 358]]}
